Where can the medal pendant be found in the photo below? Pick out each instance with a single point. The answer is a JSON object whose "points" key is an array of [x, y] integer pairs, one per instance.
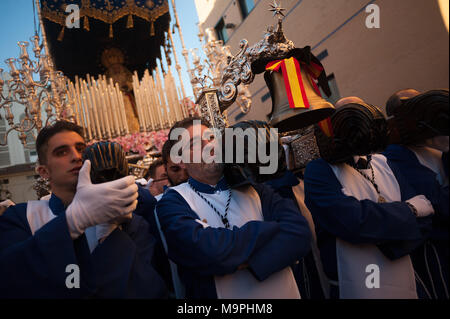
{"points": [[381, 199]]}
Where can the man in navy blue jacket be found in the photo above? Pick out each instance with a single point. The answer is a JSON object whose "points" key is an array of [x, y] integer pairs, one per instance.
{"points": [[230, 242], [82, 243], [364, 216], [421, 155]]}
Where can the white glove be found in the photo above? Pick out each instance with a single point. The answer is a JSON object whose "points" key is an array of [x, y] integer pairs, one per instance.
{"points": [[141, 181], [96, 204], [422, 205]]}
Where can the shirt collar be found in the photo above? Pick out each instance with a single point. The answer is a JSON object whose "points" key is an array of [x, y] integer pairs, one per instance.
{"points": [[361, 162], [208, 189], [56, 205]]}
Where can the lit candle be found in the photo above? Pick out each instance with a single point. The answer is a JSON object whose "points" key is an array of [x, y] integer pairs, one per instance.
{"points": [[88, 77], [116, 115], [75, 102], [99, 105], [122, 108], [90, 109], [80, 106], [105, 114], [149, 104], [107, 107], [164, 91], [137, 95], [145, 106], [155, 100], [160, 101], [138, 107], [174, 97], [110, 108], [119, 111], [94, 111], [86, 111], [112, 101]]}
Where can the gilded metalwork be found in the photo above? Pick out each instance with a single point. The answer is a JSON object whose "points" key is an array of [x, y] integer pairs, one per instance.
{"points": [[19, 87], [209, 109], [106, 12], [277, 9], [303, 146], [219, 57], [273, 46]]}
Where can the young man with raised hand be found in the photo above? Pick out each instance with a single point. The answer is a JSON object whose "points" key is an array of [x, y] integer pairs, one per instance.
{"points": [[64, 247]]}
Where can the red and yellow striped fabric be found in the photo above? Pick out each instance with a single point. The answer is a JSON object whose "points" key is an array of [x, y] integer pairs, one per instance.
{"points": [[326, 127], [295, 89], [290, 69]]}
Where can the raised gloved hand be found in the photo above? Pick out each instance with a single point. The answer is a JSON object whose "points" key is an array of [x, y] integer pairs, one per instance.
{"points": [[96, 204], [421, 206]]}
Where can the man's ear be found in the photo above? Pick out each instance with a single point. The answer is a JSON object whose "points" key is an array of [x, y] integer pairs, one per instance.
{"points": [[43, 171]]}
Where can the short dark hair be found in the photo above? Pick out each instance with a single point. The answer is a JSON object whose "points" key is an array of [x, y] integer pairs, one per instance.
{"points": [[165, 152], [48, 132], [395, 100], [152, 169], [423, 116], [188, 122], [185, 123]]}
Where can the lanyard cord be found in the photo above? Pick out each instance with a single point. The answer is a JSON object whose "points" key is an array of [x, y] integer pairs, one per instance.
{"points": [[223, 217], [381, 199]]}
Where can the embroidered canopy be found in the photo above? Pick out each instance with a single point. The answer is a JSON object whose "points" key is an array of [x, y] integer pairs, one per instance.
{"points": [[136, 27]]}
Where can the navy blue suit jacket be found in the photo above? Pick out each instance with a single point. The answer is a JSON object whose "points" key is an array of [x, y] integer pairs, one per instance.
{"points": [[391, 226], [34, 266], [423, 182], [201, 253]]}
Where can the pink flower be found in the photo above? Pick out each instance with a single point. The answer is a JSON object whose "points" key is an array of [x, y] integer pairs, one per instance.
{"points": [[141, 142]]}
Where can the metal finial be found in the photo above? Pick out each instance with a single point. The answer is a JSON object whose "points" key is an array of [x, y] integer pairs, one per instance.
{"points": [[277, 9]]}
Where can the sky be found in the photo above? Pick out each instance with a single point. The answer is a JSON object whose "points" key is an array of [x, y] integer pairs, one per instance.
{"points": [[17, 24]]}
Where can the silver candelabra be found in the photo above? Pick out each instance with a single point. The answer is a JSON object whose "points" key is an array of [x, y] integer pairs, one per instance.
{"points": [[36, 86], [209, 74]]}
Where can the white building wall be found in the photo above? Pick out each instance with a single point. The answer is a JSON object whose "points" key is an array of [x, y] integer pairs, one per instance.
{"points": [[204, 8], [15, 147]]}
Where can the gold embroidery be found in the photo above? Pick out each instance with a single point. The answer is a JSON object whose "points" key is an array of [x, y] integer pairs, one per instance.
{"points": [[107, 16]]}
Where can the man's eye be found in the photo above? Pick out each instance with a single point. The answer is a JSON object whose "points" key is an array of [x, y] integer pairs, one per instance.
{"points": [[61, 153]]}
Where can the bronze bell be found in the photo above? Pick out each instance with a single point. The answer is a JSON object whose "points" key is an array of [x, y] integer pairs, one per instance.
{"points": [[289, 119]]}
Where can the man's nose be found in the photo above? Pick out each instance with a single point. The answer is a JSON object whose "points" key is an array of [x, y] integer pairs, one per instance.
{"points": [[76, 155]]}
